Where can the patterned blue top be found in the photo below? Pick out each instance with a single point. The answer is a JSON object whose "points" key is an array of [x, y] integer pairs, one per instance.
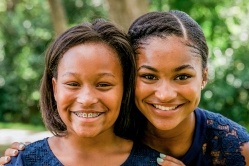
{"points": [[40, 154], [217, 141]]}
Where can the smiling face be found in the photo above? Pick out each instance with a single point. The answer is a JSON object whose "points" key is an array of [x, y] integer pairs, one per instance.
{"points": [[169, 81], [88, 89]]}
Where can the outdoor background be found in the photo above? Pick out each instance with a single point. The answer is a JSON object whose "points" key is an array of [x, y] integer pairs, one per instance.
{"points": [[27, 27]]}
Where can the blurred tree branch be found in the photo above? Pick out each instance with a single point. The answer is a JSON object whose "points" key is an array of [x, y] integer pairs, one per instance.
{"points": [[123, 12], [58, 15]]}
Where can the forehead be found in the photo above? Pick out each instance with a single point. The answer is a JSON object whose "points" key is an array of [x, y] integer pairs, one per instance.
{"points": [[167, 50], [95, 53], [92, 49]]}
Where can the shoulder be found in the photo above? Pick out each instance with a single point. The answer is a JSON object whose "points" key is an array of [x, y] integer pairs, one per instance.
{"points": [[226, 141], [142, 155], [35, 149], [37, 153], [223, 126]]}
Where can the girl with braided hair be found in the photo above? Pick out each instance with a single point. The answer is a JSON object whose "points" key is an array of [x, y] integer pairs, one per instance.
{"points": [[171, 56]]}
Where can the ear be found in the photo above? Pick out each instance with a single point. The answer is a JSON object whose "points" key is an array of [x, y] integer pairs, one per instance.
{"points": [[54, 83], [204, 77]]}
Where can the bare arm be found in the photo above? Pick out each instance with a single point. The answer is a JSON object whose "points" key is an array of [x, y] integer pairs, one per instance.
{"points": [[245, 152]]}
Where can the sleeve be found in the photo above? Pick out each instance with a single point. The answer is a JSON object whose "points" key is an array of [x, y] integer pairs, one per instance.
{"points": [[16, 161]]}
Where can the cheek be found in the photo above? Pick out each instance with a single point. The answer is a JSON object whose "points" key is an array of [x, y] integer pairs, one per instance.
{"points": [[114, 102], [192, 93], [139, 90], [64, 98], [113, 99], [143, 89]]}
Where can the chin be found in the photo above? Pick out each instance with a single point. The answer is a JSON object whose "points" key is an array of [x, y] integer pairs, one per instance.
{"points": [[164, 125], [87, 134]]}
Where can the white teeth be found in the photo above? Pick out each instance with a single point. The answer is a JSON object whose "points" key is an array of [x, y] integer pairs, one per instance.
{"points": [[164, 108], [87, 115]]}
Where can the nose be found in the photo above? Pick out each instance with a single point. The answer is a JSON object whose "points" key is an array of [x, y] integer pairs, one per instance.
{"points": [[87, 96], [165, 91]]}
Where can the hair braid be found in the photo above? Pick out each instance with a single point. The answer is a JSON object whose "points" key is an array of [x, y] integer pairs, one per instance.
{"points": [[163, 24]]}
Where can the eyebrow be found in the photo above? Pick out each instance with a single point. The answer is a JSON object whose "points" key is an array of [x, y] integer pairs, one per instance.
{"points": [[147, 67], [100, 74], [175, 70], [183, 67]]}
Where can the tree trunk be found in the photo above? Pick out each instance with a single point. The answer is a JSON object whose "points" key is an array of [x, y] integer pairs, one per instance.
{"points": [[124, 12], [58, 16]]}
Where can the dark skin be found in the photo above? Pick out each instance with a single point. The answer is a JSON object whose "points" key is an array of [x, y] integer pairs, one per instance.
{"points": [[169, 142]]}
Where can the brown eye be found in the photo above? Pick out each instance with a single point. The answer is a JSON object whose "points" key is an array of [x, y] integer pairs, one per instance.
{"points": [[72, 84], [103, 85], [149, 77], [182, 77]]}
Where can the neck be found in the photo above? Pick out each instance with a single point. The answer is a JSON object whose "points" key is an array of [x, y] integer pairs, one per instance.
{"points": [[85, 144], [174, 142], [91, 151]]}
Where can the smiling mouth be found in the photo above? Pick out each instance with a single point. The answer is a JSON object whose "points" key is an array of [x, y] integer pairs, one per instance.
{"points": [[86, 115], [165, 108]]}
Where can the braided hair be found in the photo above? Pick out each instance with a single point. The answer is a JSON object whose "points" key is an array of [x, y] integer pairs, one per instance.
{"points": [[163, 24]]}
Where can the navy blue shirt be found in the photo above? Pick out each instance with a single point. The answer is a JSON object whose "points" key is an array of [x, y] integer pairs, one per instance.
{"points": [[217, 141], [40, 154]]}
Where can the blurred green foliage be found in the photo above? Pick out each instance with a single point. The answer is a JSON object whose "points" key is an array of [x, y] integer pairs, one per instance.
{"points": [[22, 126], [26, 30]]}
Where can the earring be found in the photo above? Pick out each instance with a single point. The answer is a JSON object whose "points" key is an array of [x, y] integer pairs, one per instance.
{"points": [[202, 86]]}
